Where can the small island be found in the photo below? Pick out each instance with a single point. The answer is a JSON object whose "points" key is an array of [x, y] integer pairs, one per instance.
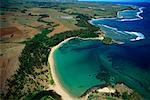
{"points": [[107, 40]]}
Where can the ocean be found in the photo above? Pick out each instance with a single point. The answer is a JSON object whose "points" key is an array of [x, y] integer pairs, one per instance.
{"points": [[130, 25], [82, 64]]}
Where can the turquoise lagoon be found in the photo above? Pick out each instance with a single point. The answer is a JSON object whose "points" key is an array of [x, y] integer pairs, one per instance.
{"points": [[82, 64]]}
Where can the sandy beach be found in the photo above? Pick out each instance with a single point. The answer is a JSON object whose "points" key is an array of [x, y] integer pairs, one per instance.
{"points": [[58, 87]]}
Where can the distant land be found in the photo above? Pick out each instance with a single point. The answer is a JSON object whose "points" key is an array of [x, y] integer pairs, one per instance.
{"points": [[49, 0]]}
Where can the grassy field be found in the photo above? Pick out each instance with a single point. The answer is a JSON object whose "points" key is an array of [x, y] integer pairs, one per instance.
{"points": [[94, 10]]}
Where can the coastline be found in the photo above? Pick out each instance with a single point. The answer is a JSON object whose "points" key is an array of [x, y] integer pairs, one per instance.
{"points": [[140, 11], [65, 95], [139, 35], [57, 84], [58, 87]]}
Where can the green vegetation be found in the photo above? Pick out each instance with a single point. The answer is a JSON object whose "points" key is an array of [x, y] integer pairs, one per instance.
{"points": [[44, 16], [23, 11], [35, 55], [125, 96], [95, 10], [114, 96], [46, 31], [107, 40], [44, 95], [93, 97], [52, 82]]}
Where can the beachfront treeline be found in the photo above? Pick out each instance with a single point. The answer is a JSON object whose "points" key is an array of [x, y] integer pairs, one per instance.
{"points": [[35, 55]]}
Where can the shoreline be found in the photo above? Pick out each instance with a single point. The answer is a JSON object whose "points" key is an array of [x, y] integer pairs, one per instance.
{"points": [[57, 84], [140, 11], [58, 88], [139, 35]]}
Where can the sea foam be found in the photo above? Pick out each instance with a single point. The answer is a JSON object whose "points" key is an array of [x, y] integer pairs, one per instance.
{"points": [[139, 36], [140, 10]]}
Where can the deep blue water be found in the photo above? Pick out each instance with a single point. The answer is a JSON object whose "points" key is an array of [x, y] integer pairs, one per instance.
{"points": [[82, 64]]}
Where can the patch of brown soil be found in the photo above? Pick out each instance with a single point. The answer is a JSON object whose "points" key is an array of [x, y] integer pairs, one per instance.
{"points": [[6, 15], [9, 31], [28, 32], [58, 29], [9, 62], [36, 24]]}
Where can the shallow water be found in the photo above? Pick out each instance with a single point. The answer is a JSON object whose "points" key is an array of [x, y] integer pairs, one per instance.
{"points": [[133, 24], [82, 64]]}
